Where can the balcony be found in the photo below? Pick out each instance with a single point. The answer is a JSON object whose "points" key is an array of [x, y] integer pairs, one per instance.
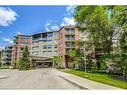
{"points": [[69, 31], [69, 39], [36, 39]]}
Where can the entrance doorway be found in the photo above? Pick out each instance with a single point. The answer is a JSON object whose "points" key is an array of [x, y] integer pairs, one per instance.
{"points": [[41, 62], [44, 64]]}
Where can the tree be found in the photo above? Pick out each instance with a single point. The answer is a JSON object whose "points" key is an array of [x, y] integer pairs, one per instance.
{"points": [[57, 61], [103, 24], [24, 61], [95, 21], [120, 58], [77, 55]]}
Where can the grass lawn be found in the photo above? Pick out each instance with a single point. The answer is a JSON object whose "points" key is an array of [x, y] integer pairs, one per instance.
{"points": [[99, 77], [4, 67]]}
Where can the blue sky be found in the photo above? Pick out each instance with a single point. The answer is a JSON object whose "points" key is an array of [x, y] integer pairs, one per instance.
{"points": [[32, 19]]}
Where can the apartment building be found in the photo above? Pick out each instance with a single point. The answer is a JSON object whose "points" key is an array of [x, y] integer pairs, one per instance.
{"points": [[19, 42], [66, 41], [6, 55], [46, 45]]}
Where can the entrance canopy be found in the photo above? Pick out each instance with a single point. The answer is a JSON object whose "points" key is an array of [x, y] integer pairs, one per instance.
{"points": [[40, 58], [35, 60]]}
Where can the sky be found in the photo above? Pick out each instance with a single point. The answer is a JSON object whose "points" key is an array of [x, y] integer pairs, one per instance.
{"points": [[32, 19]]}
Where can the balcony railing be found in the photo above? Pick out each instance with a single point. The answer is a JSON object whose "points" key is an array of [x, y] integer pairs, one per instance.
{"points": [[69, 33], [69, 39]]}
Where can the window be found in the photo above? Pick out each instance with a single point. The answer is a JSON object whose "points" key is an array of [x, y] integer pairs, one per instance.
{"points": [[36, 37], [49, 35], [69, 37], [55, 34], [55, 52], [55, 41], [69, 30], [49, 41], [55, 46], [24, 38], [35, 42], [35, 47], [22, 43], [47, 46], [35, 53], [47, 52]]}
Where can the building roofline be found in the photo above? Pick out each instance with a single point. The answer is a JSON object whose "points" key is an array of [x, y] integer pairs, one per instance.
{"points": [[67, 26], [47, 31], [44, 32]]}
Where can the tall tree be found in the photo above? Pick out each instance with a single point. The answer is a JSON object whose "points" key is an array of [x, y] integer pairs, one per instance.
{"points": [[24, 62], [94, 19], [77, 55], [121, 20], [103, 25]]}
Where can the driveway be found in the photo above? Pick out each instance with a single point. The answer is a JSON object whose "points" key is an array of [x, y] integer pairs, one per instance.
{"points": [[33, 79]]}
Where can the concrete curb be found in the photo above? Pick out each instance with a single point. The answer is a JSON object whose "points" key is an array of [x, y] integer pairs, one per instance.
{"points": [[84, 83], [73, 83]]}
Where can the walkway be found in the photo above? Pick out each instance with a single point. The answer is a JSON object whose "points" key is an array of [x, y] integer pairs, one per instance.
{"points": [[85, 83]]}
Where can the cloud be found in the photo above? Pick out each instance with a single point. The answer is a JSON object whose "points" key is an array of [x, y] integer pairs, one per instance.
{"points": [[2, 47], [50, 26], [19, 33], [68, 21], [47, 26], [70, 10], [7, 40], [7, 16], [55, 27], [68, 18]]}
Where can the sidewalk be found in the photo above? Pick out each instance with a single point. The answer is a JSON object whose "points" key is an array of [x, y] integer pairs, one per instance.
{"points": [[84, 83]]}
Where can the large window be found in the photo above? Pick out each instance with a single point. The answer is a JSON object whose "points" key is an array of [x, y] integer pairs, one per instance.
{"points": [[24, 38], [47, 46], [47, 52], [36, 37], [35, 47], [49, 35], [69, 30], [48, 41], [35, 53], [69, 37], [35, 42]]}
